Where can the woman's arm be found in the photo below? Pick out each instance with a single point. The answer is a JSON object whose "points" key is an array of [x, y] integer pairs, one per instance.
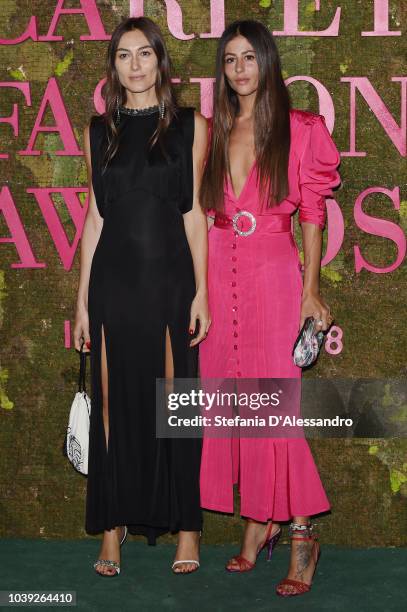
{"points": [[197, 235], [317, 177], [90, 237], [312, 303]]}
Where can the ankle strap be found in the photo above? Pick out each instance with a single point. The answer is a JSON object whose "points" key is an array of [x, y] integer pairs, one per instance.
{"points": [[302, 532]]}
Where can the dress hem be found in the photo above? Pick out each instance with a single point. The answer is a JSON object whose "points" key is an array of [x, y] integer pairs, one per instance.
{"points": [[263, 517]]}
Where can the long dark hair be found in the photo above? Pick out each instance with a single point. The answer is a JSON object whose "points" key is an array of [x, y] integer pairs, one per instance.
{"points": [[271, 120], [112, 88]]}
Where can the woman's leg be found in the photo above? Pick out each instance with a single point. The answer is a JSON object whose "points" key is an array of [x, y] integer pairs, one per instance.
{"points": [[110, 548], [302, 562], [188, 541]]}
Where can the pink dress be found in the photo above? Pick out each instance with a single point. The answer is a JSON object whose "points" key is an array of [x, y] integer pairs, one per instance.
{"points": [[255, 286]]}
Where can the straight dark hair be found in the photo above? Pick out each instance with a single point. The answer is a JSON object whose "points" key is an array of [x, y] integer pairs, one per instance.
{"points": [[113, 89], [271, 120]]}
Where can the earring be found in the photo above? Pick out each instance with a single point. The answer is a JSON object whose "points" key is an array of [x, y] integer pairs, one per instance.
{"points": [[162, 109], [117, 121]]}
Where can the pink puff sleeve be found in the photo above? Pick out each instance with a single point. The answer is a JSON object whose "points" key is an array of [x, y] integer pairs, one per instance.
{"points": [[318, 174]]}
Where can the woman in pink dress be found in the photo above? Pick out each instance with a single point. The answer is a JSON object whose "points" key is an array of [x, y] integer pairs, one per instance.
{"points": [[257, 295]]}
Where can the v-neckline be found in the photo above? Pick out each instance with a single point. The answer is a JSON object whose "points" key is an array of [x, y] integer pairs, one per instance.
{"points": [[249, 174]]}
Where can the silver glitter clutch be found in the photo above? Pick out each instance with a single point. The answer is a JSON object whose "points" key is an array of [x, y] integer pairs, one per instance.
{"points": [[307, 345]]}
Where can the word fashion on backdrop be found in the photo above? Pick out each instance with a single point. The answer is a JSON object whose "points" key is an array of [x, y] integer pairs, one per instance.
{"points": [[356, 87]]}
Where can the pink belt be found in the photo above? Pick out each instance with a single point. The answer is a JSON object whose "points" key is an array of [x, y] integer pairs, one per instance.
{"points": [[272, 222]]}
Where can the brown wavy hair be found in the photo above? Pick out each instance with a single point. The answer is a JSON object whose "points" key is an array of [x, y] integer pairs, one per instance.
{"points": [[112, 88], [271, 120]]}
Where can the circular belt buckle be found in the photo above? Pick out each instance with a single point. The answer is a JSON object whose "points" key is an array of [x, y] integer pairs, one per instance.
{"points": [[244, 213]]}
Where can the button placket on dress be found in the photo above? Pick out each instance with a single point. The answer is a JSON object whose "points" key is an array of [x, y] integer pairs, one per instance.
{"points": [[234, 261], [235, 307]]}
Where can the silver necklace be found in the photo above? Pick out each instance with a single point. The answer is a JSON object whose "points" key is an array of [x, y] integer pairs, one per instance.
{"points": [[149, 110]]}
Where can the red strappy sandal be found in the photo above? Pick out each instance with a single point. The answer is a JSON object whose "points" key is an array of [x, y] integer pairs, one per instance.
{"points": [[244, 565], [300, 532]]}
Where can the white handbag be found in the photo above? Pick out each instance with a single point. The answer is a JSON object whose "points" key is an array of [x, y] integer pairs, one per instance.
{"points": [[77, 435]]}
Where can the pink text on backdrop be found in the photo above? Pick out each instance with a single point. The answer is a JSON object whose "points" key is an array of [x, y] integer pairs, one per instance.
{"points": [[379, 227], [290, 15], [77, 212], [397, 133], [53, 97]]}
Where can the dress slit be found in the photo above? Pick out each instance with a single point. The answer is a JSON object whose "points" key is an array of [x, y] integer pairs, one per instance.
{"points": [[169, 362], [105, 395], [108, 445]]}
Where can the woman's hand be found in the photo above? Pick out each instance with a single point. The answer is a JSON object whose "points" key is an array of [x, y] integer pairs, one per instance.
{"points": [[81, 329], [313, 305], [200, 311]]}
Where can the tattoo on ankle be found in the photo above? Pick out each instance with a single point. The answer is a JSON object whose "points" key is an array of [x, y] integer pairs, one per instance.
{"points": [[302, 556]]}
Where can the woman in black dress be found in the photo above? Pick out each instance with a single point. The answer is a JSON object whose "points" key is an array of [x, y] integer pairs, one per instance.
{"points": [[142, 289]]}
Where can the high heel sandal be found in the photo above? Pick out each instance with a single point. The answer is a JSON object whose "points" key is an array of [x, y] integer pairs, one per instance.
{"points": [[244, 565], [305, 533], [197, 564], [111, 563]]}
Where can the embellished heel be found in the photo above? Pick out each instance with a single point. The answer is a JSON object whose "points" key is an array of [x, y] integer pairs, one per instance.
{"points": [[110, 563], [272, 543]]}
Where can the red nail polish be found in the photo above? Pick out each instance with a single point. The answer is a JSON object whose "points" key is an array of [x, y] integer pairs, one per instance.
{"points": [[191, 331], [88, 344]]}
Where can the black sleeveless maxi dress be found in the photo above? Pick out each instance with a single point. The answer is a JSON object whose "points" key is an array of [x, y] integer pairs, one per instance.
{"points": [[141, 282]]}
